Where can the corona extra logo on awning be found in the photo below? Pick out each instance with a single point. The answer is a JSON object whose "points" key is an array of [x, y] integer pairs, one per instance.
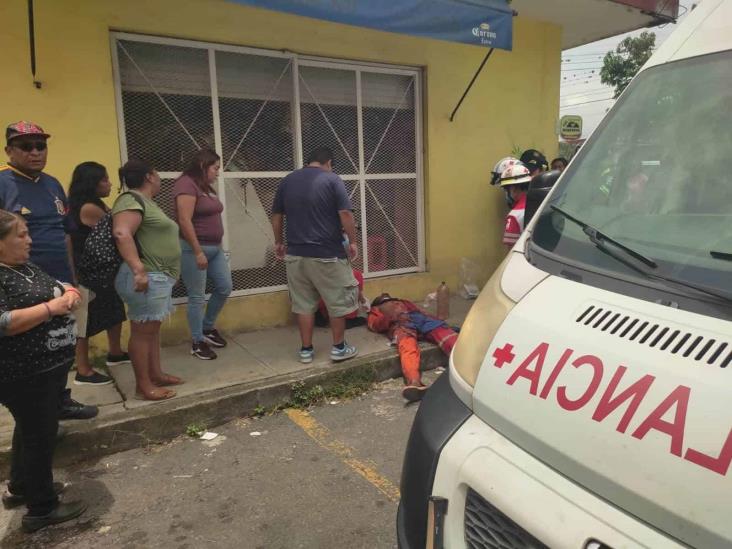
{"points": [[484, 33]]}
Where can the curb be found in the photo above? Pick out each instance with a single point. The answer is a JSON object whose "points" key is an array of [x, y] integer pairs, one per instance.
{"points": [[166, 420]]}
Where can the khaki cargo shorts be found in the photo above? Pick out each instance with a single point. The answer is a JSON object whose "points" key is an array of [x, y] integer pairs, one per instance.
{"points": [[310, 278]]}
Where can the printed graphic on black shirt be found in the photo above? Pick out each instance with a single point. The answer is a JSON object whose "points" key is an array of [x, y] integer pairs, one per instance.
{"points": [[47, 346], [61, 337]]}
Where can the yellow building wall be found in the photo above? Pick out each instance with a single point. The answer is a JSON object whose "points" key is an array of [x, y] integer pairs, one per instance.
{"points": [[513, 104]]}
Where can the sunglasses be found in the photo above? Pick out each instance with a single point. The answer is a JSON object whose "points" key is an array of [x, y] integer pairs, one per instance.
{"points": [[28, 146]]}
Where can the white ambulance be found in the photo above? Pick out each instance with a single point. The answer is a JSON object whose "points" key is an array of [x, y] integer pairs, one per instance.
{"points": [[589, 398]]}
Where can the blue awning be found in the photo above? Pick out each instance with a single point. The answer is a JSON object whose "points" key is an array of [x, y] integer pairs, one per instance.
{"points": [[478, 22]]}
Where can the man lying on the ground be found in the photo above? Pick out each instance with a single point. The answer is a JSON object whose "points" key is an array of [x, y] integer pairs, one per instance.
{"points": [[405, 323]]}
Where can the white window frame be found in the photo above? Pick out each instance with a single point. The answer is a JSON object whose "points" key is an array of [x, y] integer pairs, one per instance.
{"points": [[297, 60]]}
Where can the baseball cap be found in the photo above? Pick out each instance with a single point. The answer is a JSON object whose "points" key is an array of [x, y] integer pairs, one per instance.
{"points": [[533, 159], [19, 129]]}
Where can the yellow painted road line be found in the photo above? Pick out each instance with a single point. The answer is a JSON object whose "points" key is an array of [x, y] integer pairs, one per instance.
{"points": [[347, 455]]}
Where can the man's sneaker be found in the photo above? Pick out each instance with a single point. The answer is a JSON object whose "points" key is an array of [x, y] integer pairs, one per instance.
{"points": [[10, 500], [213, 338], [62, 513], [95, 379], [340, 354], [203, 351], [306, 355], [113, 360], [70, 409]]}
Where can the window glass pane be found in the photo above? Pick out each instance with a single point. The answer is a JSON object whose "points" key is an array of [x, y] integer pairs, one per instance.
{"points": [[166, 98], [255, 95], [328, 114], [251, 242], [656, 176], [391, 221], [388, 123]]}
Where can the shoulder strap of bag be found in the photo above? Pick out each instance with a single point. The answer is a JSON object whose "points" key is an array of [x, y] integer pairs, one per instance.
{"points": [[141, 202], [137, 198]]}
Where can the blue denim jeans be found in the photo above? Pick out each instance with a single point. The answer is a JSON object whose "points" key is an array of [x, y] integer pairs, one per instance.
{"points": [[195, 281], [155, 304]]}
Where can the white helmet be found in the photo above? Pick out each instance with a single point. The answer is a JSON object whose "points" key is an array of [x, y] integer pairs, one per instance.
{"points": [[502, 166], [515, 175]]}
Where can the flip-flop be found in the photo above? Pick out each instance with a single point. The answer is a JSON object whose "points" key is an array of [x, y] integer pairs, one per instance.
{"points": [[165, 394], [413, 393], [170, 381]]}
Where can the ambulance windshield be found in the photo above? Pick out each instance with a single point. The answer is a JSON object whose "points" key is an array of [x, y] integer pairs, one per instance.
{"points": [[656, 177]]}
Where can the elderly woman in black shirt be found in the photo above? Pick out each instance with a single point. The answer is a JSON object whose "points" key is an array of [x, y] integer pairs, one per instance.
{"points": [[37, 339]]}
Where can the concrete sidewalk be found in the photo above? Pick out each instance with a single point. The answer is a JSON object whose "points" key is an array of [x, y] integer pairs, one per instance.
{"points": [[256, 369]]}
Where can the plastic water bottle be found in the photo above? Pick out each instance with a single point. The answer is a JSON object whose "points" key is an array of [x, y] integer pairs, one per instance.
{"points": [[443, 301]]}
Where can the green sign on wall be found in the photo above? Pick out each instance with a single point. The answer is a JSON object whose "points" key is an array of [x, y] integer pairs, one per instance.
{"points": [[570, 127]]}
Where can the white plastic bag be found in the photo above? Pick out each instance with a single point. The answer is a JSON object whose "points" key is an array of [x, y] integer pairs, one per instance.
{"points": [[430, 302]]}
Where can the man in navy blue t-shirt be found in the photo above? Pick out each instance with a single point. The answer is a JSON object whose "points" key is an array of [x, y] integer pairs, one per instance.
{"points": [[38, 197], [25, 189], [318, 211]]}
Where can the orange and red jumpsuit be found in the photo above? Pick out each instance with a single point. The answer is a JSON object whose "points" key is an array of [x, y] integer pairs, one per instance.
{"points": [[406, 323]]}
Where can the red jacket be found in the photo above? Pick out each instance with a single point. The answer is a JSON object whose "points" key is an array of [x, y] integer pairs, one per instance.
{"points": [[392, 315]]}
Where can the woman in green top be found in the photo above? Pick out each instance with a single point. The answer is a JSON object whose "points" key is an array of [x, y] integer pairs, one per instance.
{"points": [[148, 242]]}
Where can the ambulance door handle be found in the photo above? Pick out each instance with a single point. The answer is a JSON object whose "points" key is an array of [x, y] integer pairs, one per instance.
{"points": [[594, 544]]}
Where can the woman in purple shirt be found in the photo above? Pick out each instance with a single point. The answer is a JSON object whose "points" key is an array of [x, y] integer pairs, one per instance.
{"points": [[198, 210]]}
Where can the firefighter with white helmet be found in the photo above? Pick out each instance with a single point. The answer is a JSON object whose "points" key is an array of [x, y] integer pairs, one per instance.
{"points": [[515, 181], [501, 166]]}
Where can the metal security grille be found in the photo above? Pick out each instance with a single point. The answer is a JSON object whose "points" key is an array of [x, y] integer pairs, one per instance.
{"points": [[263, 111], [488, 528]]}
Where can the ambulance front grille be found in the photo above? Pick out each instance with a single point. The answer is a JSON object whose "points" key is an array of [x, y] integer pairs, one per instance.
{"points": [[676, 341], [488, 528]]}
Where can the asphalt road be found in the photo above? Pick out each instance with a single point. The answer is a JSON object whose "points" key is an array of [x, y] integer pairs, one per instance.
{"points": [[325, 477]]}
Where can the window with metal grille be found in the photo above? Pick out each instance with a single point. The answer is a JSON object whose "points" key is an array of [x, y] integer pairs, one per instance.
{"points": [[263, 111]]}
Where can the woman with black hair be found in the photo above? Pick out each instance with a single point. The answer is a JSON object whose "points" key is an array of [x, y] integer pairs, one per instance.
{"points": [[147, 240], [101, 309], [559, 164], [199, 214]]}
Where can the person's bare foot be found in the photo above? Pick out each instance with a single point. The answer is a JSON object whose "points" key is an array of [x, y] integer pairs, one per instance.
{"points": [[159, 393], [166, 380]]}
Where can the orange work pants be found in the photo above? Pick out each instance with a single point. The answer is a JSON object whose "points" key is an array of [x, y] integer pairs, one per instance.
{"points": [[408, 355]]}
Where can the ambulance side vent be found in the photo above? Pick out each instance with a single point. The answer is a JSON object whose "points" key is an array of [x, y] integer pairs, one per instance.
{"points": [[663, 338]]}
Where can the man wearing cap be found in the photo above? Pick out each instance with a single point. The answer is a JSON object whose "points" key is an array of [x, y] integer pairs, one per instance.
{"points": [[535, 161], [38, 197], [25, 189]]}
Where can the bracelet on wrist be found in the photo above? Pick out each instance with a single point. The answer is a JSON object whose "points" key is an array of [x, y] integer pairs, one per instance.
{"points": [[73, 290], [48, 310]]}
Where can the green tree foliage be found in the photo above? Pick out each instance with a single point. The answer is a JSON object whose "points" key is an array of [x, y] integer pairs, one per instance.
{"points": [[621, 65]]}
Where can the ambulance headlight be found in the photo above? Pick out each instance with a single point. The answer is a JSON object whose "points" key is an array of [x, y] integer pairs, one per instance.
{"points": [[513, 279]]}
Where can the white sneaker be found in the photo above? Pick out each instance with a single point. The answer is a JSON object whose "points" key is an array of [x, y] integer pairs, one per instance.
{"points": [[306, 355], [339, 355]]}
